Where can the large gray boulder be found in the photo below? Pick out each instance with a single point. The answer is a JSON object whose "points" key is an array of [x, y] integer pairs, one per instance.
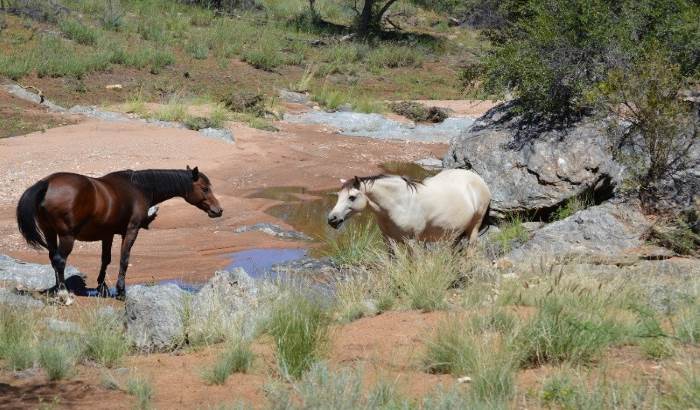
{"points": [[155, 316], [21, 300], [530, 168], [229, 303], [604, 230], [34, 276]]}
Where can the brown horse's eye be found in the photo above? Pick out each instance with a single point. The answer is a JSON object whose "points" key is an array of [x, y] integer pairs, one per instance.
{"points": [[205, 189]]}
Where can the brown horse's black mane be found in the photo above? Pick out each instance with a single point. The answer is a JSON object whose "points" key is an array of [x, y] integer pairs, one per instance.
{"points": [[158, 183], [355, 182]]}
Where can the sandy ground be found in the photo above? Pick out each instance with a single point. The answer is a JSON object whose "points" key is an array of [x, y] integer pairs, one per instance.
{"points": [[183, 243]]}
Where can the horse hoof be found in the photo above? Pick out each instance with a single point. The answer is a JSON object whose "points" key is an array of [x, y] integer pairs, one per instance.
{"points": [[121, 296], [103, 291]]}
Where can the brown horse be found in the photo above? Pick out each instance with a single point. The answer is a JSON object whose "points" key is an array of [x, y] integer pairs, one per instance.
{"points": [[63, 207]]}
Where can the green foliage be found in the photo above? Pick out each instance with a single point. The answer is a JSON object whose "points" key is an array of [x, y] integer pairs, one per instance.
{"points": [[510, 235], [419, 112], [685, 390], [237, 357], [394, 56], [571, 206], [554, 54], [264, 56], [688, 324], [299, 326], [676, 235], [105, 340], [141, 388], [657, 348]]}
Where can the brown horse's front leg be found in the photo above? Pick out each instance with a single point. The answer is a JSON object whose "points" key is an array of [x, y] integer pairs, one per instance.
{"points": [[127, 242]]}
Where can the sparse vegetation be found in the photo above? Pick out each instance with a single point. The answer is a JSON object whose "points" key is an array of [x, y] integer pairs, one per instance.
{"points": [[421, 275], [105, 341], [357, 244], [510, 235], [141, 388], [299, 326], [237, 357], [57, 358], [419, 112], [17, 338]]}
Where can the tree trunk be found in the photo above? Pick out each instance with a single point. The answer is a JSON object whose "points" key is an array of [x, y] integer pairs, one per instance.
{"points": [[365, 20]]}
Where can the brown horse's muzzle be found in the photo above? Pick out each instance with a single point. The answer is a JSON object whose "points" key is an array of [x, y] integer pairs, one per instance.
{"points": [[215, 212]]}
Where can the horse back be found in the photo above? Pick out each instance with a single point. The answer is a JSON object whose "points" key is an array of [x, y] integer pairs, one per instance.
{"points": [[85, 207]]}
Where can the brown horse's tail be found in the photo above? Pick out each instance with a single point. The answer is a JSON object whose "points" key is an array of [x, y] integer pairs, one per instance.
{"points": [[26, 214]]}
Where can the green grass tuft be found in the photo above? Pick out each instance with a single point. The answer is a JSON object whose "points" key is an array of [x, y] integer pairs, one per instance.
{"points": [[141, 388], [16, 338], [57, 358], [79, 32], [105, 340], [236, 358], [356, 244], [299, 325]]}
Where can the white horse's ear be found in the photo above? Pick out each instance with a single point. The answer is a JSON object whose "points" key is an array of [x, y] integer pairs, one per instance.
{"points": [[343, 181]]}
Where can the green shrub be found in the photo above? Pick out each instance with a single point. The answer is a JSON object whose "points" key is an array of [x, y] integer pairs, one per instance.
{"points": [[16, 65], [237, 357], [79, 32], [571, 206], [418, 112], [688, 325], [299, 326], [197, 47], [657, 348], [105, 340]]}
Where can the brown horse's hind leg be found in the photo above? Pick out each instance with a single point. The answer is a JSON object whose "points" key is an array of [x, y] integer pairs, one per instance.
{"points": [[59, 257], [102, 289], [127, 242]]}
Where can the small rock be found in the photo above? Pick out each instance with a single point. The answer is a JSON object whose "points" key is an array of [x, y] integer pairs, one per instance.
{"points": [[464, 379], [293, 97], [114, 87], [218, 133], [430, 163], [26, 373]]}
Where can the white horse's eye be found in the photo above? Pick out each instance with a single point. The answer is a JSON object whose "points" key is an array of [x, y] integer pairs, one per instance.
{"points": [[352, 197]]}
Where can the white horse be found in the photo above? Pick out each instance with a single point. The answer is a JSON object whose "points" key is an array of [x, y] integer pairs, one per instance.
{"points": [[452, 203]]}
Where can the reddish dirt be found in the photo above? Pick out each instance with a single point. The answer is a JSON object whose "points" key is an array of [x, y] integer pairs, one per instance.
{"points": [[183, 243], [19, 117]]}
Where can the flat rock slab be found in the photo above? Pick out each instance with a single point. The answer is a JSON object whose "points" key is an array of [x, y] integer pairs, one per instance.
{"points": [[379, 127], [21, 300], [272, 230], [604, 230], [34, 276]]}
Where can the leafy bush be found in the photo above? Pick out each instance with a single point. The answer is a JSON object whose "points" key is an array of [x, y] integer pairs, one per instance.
{"points": [[553, 54]]}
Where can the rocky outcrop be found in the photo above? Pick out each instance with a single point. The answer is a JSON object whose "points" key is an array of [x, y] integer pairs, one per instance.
{"points": [[534, 170], [17, 299], [604, 230], [165, 317], [155, 316], [28, 276]]}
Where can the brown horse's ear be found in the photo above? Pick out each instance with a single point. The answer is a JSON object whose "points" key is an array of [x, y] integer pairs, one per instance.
{"points": [[356, 183], [195, 173]]}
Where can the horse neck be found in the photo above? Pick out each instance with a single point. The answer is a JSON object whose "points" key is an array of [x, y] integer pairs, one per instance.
{"points": [[388, 196], [162, 187]]}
